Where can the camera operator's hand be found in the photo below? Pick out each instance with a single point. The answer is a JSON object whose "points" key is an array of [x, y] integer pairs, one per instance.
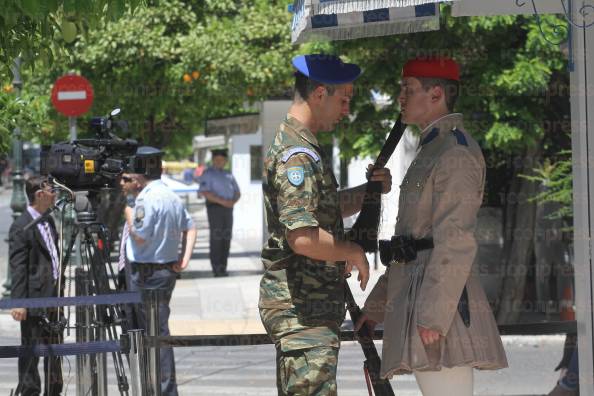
{"points": [[19, 314]]}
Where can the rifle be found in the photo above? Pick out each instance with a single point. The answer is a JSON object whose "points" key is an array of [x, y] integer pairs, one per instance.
{"points": [[372, 363], [364, 231]]}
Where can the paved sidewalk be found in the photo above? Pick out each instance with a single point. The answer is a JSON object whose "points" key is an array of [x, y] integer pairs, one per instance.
{"points": [[202, 304]]}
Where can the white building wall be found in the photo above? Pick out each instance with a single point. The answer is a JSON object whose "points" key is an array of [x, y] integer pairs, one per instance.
{"points": [[247, 214], [272, 113], [249, 228]]}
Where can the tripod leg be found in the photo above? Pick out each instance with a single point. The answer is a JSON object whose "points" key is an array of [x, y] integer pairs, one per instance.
{"points": [[85, 381], [108, 317]]}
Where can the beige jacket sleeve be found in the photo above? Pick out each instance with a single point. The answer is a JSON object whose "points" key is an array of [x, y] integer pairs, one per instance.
{"points": [[375, 305], [456, 197]]}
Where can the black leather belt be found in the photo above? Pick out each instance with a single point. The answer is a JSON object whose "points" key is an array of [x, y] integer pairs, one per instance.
{"points": [[402, 248], [136, 266]]}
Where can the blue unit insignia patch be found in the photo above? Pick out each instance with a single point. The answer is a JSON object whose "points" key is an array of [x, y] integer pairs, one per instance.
{"points": [[295, 175]]}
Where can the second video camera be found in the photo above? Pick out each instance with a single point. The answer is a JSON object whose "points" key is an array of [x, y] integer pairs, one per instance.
{"points": [[90, 163]]}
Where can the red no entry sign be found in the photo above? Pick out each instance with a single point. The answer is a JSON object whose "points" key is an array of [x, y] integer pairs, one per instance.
{"points": [[72, 95]]}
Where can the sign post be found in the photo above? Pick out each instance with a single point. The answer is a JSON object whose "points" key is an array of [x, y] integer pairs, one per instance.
{"points": [[72, 96]]}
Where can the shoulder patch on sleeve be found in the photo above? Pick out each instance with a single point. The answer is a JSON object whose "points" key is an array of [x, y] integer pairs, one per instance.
{"points": [[139, 216], [297, 150], [460, 138], [296, 175]]}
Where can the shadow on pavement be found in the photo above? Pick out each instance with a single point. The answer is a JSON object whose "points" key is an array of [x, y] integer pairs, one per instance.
{"points": [[204, 255], [209, 274]]}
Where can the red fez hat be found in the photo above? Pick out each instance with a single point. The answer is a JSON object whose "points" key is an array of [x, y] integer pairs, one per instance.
{"points": [[438, 67]]}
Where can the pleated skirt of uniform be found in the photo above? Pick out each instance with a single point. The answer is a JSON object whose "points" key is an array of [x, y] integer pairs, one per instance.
{"points": [[478, 346]]}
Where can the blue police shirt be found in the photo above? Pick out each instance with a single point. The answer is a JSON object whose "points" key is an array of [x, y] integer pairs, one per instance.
{"points": [[219, 182], [159, 219]]}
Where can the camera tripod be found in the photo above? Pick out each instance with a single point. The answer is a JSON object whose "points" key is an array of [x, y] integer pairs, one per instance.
{"points": [[93, 276]]}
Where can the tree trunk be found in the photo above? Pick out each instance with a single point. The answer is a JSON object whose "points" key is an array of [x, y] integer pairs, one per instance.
{"points": [[520, 216]]}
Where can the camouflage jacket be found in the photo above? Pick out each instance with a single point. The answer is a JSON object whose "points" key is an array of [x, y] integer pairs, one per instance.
{"points": [[300, 190]]}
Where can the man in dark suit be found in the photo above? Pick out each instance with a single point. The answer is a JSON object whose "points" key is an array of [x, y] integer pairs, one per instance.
{"points": [[35, 268]]}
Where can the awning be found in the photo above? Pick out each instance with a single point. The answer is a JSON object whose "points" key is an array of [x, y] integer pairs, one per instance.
{"points": [[506, 7], [345, 6], [324, 20]]}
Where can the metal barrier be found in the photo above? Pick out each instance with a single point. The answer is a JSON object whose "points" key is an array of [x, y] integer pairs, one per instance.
{"points": [[143, 350], [525, 329], [91, 346]]}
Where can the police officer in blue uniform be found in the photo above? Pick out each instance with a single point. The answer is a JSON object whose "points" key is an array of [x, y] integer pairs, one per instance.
{"points": [[221, 192], [158, 224]]}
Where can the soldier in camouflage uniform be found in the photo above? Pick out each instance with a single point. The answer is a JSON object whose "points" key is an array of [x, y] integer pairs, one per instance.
{"points": [[306, 257]]}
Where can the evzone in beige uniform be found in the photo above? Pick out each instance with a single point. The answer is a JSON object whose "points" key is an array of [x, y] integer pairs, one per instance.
{"points": [[437, 321]]}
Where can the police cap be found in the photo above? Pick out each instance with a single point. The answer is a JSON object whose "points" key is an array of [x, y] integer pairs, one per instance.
{"points": [[222, 152], [327, 69], [147, 162]]}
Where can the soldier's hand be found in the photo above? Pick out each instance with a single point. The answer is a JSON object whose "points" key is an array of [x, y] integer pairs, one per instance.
{"points": [[358, 260], [428, 336], [382, 175], [19, 314]]}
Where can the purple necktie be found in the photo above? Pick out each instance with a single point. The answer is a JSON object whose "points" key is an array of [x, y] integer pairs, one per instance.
{"points": [[125, 234], [51, 246]]}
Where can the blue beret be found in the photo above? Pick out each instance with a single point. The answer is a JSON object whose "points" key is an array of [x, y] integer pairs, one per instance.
{"points": [[327, 69]]}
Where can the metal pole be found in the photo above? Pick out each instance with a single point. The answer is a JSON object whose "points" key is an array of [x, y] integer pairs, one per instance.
{"points": [[18, 202], [137, 363], [85, 382], [154, 362], [101, 357], [582, 136], [72, 127]]}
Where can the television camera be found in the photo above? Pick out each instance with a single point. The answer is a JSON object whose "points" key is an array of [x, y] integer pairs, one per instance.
{"points": [[89, 164]]}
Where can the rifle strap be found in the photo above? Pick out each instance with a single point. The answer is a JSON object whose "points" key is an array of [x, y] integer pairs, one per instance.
{"points": [[367, 379], [390, 145]]}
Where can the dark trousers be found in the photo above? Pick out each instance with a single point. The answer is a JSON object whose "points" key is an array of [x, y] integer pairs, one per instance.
{"points": [[152, 277], [32, 332], [220, 223], [124, 284], [572, 376]]}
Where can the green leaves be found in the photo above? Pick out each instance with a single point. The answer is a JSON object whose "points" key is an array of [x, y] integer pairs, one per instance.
{"points": [[27, 27], [555, 176], [28, 113], [507, 68]]}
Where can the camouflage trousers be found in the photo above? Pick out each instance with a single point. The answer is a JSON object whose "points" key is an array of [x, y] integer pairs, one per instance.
{"points": [[306, 356]]}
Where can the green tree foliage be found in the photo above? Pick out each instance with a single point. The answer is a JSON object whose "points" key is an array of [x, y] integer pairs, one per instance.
{"points": [[171, 65], [555, 175], [40, 32], [34, 28], [509, 72]]}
